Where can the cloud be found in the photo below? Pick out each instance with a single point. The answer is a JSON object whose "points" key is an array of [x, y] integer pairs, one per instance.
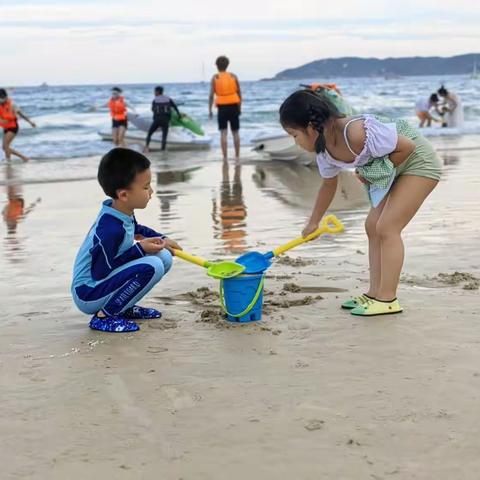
{"points": [[99, 41]]}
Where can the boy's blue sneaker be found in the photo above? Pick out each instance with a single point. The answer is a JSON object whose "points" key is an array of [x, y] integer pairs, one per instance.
{"points": [[141, 313], [113, 324]]}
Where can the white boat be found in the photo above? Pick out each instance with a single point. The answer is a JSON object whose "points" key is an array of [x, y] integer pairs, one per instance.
{"points": [[179, 137], [281, 147]]}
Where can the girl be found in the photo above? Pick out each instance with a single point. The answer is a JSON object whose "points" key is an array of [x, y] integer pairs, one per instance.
{"points": [[9, 114], [398, 166]]}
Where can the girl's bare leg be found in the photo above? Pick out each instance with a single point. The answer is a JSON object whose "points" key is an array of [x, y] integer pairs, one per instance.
{"points": [[403, 202]]}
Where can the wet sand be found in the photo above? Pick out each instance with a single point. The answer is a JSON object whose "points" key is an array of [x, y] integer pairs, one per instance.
{"points": [[310, 392]]}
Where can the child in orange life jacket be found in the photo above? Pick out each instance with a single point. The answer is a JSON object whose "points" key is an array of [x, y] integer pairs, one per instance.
{"points": [[225, 90], [9, 114], [118, 111]]}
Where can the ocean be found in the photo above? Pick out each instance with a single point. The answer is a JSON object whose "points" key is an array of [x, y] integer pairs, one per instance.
{"points": [[68, 121]]}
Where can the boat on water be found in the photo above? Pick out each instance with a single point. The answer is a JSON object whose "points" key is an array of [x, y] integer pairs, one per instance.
{"points": [[184, 133]]}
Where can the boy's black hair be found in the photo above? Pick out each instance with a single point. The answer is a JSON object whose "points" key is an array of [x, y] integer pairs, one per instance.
{"points": [[434, 98], [442, 91], [158, 90], [118, 168], [3, 93], [117, 89], [222, 63], [303, 108]]}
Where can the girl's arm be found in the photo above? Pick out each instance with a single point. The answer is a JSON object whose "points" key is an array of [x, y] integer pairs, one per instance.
{"points": [[21, 114], [405, 147], [324, 199]]}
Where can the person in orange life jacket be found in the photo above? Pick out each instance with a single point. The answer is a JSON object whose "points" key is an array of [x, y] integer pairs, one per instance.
{"points": [[9, 114], [118, 111], [162, 113], [225, 90]]}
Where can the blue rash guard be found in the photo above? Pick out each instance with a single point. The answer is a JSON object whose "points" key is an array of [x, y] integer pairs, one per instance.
{"points": [[109, 244], [112, 272]]}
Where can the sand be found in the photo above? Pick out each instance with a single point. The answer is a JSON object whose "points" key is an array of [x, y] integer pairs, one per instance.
{"points": [[310, 392]]}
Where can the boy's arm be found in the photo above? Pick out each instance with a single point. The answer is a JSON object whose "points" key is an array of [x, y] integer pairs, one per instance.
{"points": [[146, 231], [211, 97], [239, 91], [108, 237]]}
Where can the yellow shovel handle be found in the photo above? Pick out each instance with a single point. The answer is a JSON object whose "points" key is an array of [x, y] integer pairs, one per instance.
{"points": [[330, 224], [191, 258]]}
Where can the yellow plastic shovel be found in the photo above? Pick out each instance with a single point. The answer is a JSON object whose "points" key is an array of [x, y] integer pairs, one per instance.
{"points": [[214, 269]]}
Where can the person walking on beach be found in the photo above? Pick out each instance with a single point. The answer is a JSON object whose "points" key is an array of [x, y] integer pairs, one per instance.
{"points": [[398, 166], [453, 108], [423, 106], [162, 106], [9, 114], [225, 91], [118, 111]]}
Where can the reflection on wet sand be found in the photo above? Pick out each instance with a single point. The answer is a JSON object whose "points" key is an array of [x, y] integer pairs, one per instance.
{"points": [[169, 196], [297, 185], [230, 212], [14, 212]]}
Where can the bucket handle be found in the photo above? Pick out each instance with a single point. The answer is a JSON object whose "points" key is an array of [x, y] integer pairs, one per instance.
{"points": [[250, 306]]}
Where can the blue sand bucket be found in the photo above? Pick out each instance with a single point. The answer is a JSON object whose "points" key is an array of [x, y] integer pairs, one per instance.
{"points": [[241, 297]]}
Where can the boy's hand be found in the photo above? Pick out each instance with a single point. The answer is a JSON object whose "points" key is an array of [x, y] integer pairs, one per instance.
{"points": [[151, 246], [172, 244]]}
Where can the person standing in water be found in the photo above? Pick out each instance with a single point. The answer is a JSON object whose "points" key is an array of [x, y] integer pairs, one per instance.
{"points": [[118, 111], [423, 107], [453, 108], [225, 90], [9, 114], [162, 114]]}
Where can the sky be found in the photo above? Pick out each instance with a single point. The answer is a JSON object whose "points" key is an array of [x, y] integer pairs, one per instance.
{"points": [[145, 41]]}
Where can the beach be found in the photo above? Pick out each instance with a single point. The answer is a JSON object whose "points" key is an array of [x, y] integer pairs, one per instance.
{"points": [[309, 392]]}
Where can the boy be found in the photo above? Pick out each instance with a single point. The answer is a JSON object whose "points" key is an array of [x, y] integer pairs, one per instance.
{"points": [[162, 113], [111, 271], [228, 99]]}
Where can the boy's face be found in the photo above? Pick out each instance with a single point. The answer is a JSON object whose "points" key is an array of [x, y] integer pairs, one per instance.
{"points": [[138, 194]]}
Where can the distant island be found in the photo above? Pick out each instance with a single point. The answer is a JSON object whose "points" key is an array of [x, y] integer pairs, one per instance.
{"points": [[387, 67]]}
